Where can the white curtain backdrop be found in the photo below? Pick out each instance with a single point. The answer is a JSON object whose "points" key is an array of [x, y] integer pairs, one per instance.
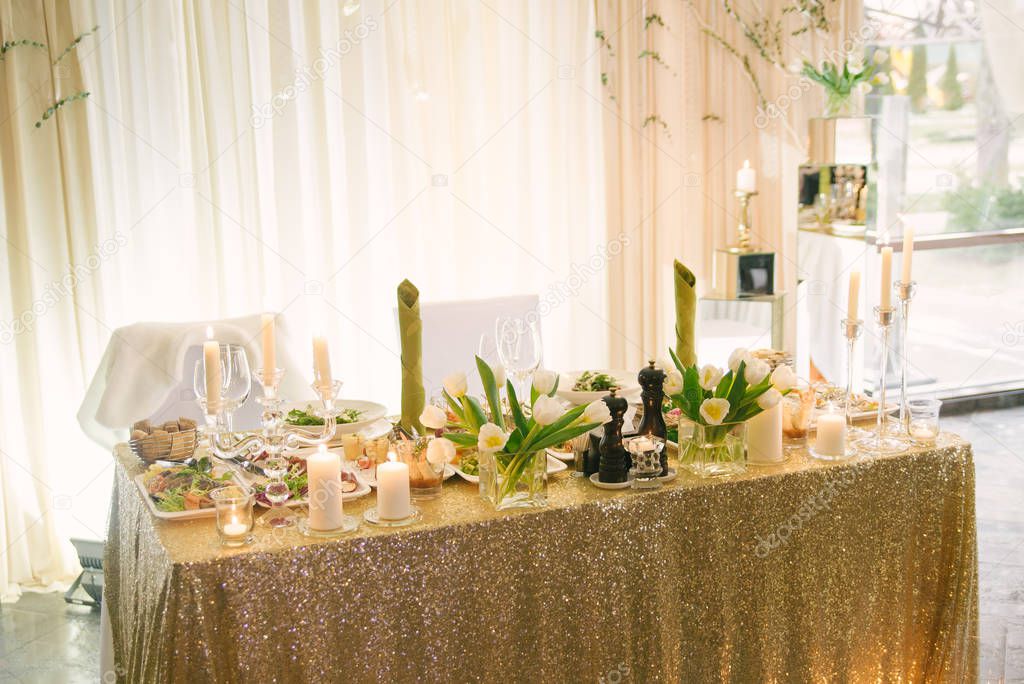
{"points": [[304, 157]]}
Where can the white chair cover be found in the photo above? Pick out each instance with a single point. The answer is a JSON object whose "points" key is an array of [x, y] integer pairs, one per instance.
{"points": [[147, 371]]}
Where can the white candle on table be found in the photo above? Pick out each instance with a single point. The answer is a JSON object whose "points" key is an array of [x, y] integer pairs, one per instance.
{"points": [[853, 304], [908, 253], [235, 528], [323, 470], [211, 367], [321, 361], [393, 490], [269, 347], [831, 435], [886, 282], [746, 178], [764, 436]]}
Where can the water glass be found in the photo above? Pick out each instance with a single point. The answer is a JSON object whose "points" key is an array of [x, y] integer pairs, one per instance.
{"points": [[425, 478], [924, 420]]}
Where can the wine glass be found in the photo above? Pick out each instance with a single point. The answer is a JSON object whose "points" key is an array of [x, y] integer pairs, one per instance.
{"points": [[277, 492], [235, 385], [518, 344]]}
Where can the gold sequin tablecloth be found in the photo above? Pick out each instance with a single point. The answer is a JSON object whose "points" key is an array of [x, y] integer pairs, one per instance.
{"points": [[861, 571]]}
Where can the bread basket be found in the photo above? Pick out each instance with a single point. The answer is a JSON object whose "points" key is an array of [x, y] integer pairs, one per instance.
{"points": [[165, 446]]}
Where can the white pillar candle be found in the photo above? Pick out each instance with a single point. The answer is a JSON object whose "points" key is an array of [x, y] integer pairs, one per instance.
{"points": [[886, 280], [325, 507], [393, 490], [746, 178], [853, 303], [211, 368], [831, 435], [908, 253], [269, 347], [764, 436], [321, 361]]}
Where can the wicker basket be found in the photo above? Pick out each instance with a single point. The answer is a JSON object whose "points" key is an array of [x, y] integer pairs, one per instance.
{"points": [[169, 446]]}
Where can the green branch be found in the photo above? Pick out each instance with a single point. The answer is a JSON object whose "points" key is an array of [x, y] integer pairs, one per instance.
{"points": [[52, 109]]}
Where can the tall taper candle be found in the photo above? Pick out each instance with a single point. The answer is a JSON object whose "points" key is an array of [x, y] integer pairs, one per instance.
{"points": [[321, 361], [269, 347], [323, 470], [853, 303], [211, 368], [908, 253], [886, 283]]}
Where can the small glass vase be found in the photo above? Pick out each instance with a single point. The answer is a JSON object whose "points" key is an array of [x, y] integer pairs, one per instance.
{"points": [[514, 480], [425, 478], [715, 450], [841, 104]]}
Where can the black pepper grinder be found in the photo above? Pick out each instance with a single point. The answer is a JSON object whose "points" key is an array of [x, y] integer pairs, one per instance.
{"points": [[652, 382], [614, 465]]}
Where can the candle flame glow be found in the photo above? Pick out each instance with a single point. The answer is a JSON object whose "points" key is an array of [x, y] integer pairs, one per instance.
{"points": [[391, 456], [746, 163], [209, 332]]}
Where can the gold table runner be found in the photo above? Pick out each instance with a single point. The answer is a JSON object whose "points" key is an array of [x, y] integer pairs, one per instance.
{"points": [[807, 571]]}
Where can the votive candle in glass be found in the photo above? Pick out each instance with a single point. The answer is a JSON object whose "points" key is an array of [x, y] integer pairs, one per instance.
{"points": [[233, 504]]}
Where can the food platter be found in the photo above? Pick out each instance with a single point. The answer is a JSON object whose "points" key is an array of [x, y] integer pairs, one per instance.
{"points": [[369, 412], [624, 380]]}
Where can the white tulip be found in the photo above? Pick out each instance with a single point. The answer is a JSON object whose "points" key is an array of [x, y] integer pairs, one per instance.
{"points": [[666, 364], [544, 380], [440, 450], [714, 411], [879, 56], [491, 438], [673, 383], [499, 376], [546, 410], [455, 385], [597, 412], [433, 417], [738, 355], [710, 376], [755, 372], [769, 399], [783, 378]]}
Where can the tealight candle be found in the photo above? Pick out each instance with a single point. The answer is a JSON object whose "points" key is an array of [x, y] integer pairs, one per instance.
{"points": [[323, 470], [211, 368], [234, 514], [831, 435], [235, 528], [393, 496]]}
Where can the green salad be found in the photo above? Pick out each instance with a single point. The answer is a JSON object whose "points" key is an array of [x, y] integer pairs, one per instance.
{"points": [[469, 464], [307, 417], [594, 381]]}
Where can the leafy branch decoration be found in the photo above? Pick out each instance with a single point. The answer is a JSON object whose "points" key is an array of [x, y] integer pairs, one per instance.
{"points": [[9, 45], [74, 44]]}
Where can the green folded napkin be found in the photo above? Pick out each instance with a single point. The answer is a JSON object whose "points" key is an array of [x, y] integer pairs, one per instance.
{"points": [[686, 313], [410, 333]]}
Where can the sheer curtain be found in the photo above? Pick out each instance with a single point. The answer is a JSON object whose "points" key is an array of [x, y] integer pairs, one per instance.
{"points": [[305, 157], [671, 186]]}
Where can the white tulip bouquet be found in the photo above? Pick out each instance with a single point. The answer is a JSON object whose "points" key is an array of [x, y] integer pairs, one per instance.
{"points": [[718, 399], [515, 441]]}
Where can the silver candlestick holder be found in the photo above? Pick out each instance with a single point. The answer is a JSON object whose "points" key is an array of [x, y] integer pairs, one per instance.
{"points": [[743, 229], [882, 440], [905, 292], [852, 330]]}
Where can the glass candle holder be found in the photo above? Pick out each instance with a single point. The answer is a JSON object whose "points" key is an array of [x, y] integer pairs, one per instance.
{"points": [[830, 443], [797, 407], [352, 444], [425, 478], [234, 514], [924, 420], [646, 453]]}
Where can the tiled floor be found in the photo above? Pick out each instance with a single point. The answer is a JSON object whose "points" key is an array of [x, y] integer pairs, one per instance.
{"points": [[44, 640]]}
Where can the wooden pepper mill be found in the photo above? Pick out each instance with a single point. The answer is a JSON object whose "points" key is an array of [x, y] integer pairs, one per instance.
{"points": [[614, 466], [652, 382]]}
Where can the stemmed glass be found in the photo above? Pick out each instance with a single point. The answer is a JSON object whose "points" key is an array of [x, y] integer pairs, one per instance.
{"points": [[519, 348], [236, 381], [277, 492]]}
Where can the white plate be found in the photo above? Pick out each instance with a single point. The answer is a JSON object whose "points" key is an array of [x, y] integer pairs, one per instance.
{"points": [[361, 490], [554, 466], [594, 480], [566, 456], [628, 387], [183, 515], [371, 479], [372, 412]]}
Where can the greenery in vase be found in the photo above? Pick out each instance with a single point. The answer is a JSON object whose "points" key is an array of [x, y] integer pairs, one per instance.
{"points": [[840, 81], [717, 399], [514, 440]]}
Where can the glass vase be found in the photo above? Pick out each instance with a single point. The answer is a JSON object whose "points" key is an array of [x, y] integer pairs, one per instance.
{"points": [[514, 480], [838, 104], [715, 450]]}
